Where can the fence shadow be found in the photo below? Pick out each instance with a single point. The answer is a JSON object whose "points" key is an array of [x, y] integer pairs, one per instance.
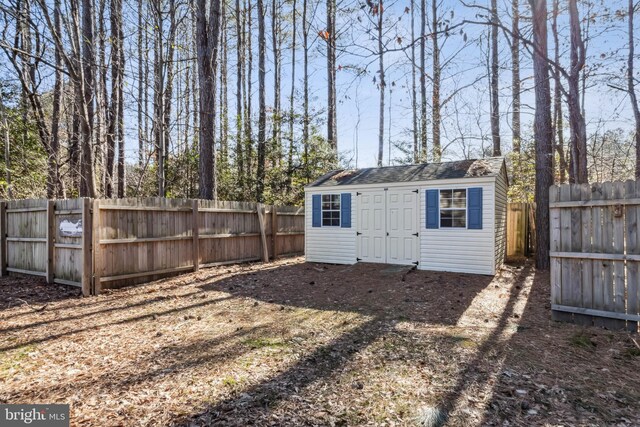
{"points": [[17, 290]]}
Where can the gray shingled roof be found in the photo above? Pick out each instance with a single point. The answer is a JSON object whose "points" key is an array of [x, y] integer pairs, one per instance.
{"points": [[412, 173]]}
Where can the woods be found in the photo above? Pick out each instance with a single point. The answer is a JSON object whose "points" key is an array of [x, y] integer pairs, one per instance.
{"points": [[234, 99]]}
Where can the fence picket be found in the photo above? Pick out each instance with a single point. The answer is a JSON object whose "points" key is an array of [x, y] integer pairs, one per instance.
{"points": [[632, 247]]}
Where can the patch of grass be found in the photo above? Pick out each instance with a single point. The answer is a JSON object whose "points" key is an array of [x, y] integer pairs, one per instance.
{"points": [[463, 341], [257, 343], [581, 341], [230, 382], [12, 361]]}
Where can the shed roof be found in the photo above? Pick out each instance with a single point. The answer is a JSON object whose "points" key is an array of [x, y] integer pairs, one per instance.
{"points": [[412, 173]]}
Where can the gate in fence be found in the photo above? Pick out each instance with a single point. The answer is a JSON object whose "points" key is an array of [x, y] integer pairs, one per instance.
{"points": [[595, 254], [99, 244]]}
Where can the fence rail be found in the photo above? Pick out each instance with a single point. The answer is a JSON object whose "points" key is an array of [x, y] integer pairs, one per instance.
{"points": [[109, 243], [595, 254]]}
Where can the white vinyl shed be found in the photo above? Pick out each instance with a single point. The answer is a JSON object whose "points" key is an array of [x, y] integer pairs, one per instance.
{"points": [[448, 216]]}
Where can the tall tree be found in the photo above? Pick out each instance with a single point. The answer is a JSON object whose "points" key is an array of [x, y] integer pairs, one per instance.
{"points": [[262, 112], [495, 101], [332, 133], [294, 36], [239, 85], [414, 97], [87, 183], [435, 99], [379, 12], [208, 33], [423, 81], [276, 149], [305, 85], [631, 86], [543, 133], [558, 118], [576, 118], [515, 75]]}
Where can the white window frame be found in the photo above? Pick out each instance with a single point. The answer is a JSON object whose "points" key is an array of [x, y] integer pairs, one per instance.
{"points": [[323, 210], [465, 209]]}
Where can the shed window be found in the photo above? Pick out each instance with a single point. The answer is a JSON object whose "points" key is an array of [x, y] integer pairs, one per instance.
{"points": [[331, 210], [453, 208]]}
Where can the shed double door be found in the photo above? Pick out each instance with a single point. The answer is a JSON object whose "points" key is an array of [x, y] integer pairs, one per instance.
{"points": [[387, 229]]}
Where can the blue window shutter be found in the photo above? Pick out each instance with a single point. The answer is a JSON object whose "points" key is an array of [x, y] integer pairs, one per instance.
{"points": [[474, 208], [316, 208], [432, 208], [345, 210]]}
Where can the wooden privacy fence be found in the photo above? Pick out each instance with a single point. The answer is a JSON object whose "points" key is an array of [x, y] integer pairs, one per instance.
{"points": [[109, 243], [595, 254], [519, 226]]}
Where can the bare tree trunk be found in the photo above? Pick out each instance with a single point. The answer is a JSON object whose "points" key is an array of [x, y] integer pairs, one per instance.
{"points": [[208, 32], [158, 95], [423, 82], [141, 87], [495, 101], [7, 150], [414, 97], [102, 96], [276, 150], [631, 87], [118, 67], [576, 118], [88, 184], [262, 113], [54, 166], [239, 85], [381, 83], [558, 124], [305, 84], [515, 76], [294, 37], [332, 136], [436, 117], [543, 132], [168, 72], [224, 98], [248, 130]]}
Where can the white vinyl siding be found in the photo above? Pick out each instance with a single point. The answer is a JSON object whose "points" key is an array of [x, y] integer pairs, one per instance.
{"points": [[443, 249], [459, 249], [501, 218], [332, 245]]}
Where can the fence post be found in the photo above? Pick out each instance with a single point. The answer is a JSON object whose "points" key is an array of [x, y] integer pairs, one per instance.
{"points": [[51, 233], [263, 234], [87, 255], [95, 225], [196, 235], [274, 231], [3, 239]]}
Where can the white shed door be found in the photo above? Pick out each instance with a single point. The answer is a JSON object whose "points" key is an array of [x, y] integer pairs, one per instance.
{"points": [[372, 226], [388, 226], [402, 227]]}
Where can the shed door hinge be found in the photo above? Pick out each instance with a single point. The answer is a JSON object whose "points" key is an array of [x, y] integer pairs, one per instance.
{"points": [[358, 259], [416, 191], [358, 193], [358, 233], [416, 263], [415, 234]]}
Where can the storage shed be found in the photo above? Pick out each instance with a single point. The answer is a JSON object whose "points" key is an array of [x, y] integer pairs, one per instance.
{"points": [[448, 216]]}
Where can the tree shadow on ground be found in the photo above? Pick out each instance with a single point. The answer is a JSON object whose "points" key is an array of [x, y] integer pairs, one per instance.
{"points": [[570, 374], [386, 295]]}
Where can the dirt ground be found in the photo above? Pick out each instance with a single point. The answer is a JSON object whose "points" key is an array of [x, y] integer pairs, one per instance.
{"points": [[292, 343]]}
